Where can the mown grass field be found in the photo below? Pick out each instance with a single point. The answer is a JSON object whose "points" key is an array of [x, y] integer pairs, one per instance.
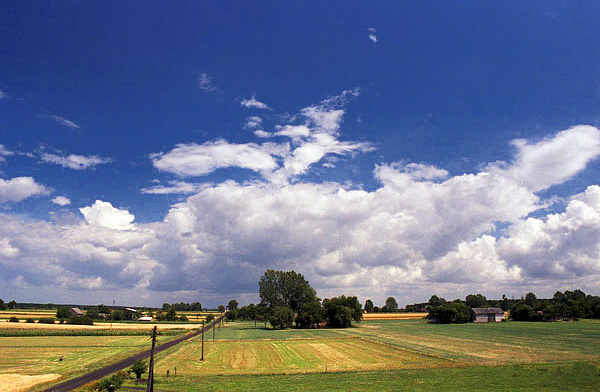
{"points": [[390, 355]]}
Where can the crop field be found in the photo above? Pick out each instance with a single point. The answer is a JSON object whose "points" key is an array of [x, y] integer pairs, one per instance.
{"points": [[31, 357], [390, 353], [393, 316]]}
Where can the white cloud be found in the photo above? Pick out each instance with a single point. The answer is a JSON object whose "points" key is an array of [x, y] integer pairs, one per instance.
{"points": [[102, 213], [253, 122], [554, 160], [4, 153], [254, 103], [174, 187], [62, 121], [373, 37], [61, 201], [3, 95], [205, 83], [20, 188], [262, 134], [6, 249], [200, 159], [76, 162]]}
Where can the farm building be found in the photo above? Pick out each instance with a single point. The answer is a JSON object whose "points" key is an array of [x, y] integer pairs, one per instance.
{"points": [[145, 318], [76, 312], [487, 315], [130, 313]]}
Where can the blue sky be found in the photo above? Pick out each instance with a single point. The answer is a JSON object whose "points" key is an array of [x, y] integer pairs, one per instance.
{"points": [[173, 151]]}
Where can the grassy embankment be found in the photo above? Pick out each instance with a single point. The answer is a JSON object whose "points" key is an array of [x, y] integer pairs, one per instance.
{"points": [[390, 355]]}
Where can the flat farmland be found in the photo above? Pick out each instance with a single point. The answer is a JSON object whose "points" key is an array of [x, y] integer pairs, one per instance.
{"points": [[389, 355], [393, 316], [36, 359]]}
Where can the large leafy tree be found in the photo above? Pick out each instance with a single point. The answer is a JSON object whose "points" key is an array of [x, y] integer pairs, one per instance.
{"points": [[340, 311], [391, 305], [285, 288], [369, 306], [476, 301]]}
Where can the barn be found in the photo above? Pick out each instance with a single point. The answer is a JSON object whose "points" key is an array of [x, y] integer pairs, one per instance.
{"points": [[75, 312], [487, 315]]}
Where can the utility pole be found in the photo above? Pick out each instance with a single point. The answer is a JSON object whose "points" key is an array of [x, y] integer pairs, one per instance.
{"points": [[202, 359], [213, 328], [150, 387]]}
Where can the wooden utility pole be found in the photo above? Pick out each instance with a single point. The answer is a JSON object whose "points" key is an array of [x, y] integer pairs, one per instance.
{"points": [[202, 359], [150, 387], [213, 328]]}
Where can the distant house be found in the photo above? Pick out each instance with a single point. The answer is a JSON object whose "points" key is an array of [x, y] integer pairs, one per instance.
{"points": [[145, 318], [76, 312], [130, 313], [487, 315]]}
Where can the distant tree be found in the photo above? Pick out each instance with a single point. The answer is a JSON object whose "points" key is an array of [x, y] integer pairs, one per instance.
{"points": [[103, 309], [221, 308], [171, 315], [505, 304], [233, 314], [63, 312], [138, 368], [476, 301], [523, 312], [436, 301], [209, 318], [531, 300], [2, 305], [455, 312], [93, 313], [281, 317], [369, 306], [340, 311], [310, 314], [391, 305], [12, 304], [233, 304], [117, 315], [287, 289]]}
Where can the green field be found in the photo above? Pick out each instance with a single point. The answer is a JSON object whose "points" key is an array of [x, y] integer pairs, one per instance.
{"points": [[390, 355]]}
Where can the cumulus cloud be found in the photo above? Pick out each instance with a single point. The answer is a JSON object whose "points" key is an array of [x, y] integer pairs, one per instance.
{"points": [[75, 162], [61, 201], [205, 83], [254, 103], [20, 188], [102, 213], [3, 95]]}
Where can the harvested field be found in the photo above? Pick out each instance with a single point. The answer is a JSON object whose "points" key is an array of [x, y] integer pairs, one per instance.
{"points": [[393, 316], [10, 382], [101, 325]]}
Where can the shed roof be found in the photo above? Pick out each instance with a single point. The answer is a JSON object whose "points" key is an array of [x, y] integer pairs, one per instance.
{"points": [[487, 311], [130, 310], [77, 311]]}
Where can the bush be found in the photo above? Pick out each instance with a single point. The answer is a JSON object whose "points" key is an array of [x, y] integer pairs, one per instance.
{"points": [[139, 367], [30, 320], [13, 319], [46, 320], [81, 320], [209, 318], [63, 313], [340, 311], [113, 382]]}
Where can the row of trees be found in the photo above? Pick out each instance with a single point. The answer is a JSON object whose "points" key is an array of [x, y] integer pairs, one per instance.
{"points": [[568, 305], [287, 298], [11, 305], [391, 306]]}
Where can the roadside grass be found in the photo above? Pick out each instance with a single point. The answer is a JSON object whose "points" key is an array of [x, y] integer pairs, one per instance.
{"points": [[578, 376]]}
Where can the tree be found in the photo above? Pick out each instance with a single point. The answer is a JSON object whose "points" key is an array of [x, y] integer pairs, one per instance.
{"points": [[369, 306], [476, 301], [2, 305], [12, 304], [139, 367], [340, 311], [288, 289], [232, 315], [309, 315], [221, 308], [436, 301], [63, 312], [281, 317], [233, 304], [454, 312], [391, 305], [103, 309], [523, 312], [531, 300]]}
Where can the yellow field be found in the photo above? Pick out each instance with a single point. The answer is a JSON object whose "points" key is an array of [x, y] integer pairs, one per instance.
{"points": [[393, 316], [18, 382], [99, 325]]}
